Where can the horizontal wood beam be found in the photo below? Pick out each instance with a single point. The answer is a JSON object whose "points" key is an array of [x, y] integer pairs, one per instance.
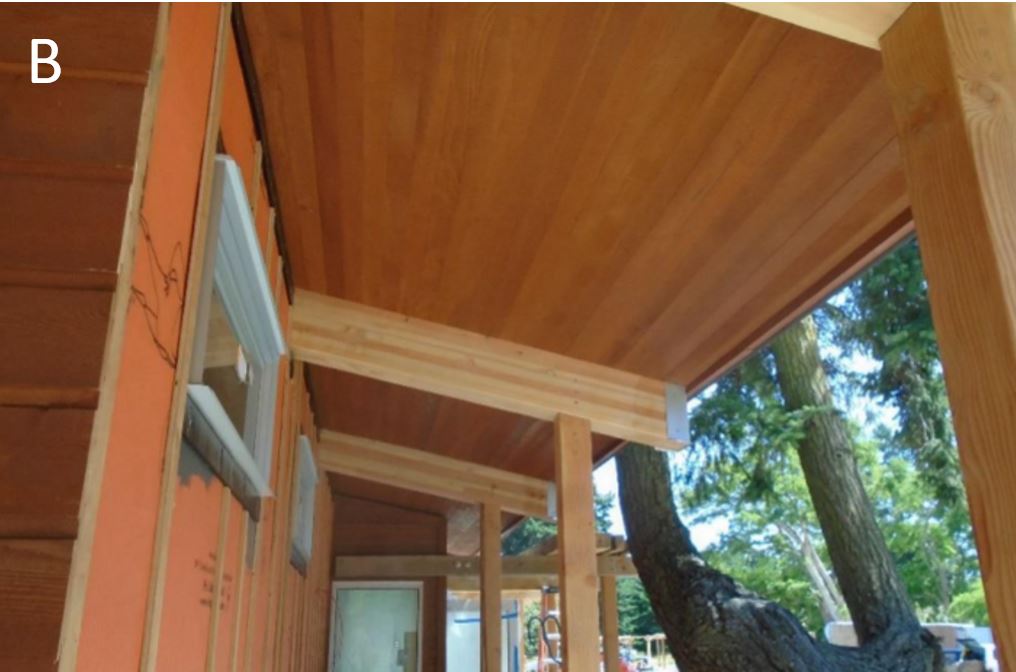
{"points": [[862, 23], [512, 587], [413, 566], [605, 544], [330, 332], [423, 471]]}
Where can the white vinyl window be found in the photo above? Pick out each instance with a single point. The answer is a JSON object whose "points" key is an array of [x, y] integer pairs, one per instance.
{"points": [[303, 512], [238, 343]]}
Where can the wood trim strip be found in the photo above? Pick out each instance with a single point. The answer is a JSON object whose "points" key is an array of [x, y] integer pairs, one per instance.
{"points": [[195, 266], [225, 504], [241, 587], [91, 492], [284, 521]]}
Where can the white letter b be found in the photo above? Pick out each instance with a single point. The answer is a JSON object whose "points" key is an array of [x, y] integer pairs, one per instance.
{"points": [[49, 60]]}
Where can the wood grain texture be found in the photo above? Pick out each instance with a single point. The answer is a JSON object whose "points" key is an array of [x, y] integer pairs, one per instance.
{"points": [[42, 466], [591, 181], [952, 74], [63, 224], [576, 532], [608, 611], [423, 471], [111, 37], [464, 365], [33, 579], [39, 129], [490, 588], [52, 337]]}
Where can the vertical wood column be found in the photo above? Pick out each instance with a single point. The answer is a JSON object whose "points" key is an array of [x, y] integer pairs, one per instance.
{"points": [[490, 587], [576, 532], [952, 77], [611, 647]]}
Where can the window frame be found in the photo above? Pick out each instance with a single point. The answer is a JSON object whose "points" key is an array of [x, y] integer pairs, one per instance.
{"points": [[306, 479], [235, 269]]}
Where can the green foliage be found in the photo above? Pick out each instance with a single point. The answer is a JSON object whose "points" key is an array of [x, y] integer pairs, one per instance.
{"points": [[532, 531], [970, 607], [887, 317], [743, 466], [635, 614]]}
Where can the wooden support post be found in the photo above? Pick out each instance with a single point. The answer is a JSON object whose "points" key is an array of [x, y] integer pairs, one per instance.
{"points": [[490, 587], [952, 78], [611, 647], [576, 530]]}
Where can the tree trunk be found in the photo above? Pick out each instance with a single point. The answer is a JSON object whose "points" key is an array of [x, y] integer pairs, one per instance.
{"points": [[830, 601], [871, 586], [715, 625]]}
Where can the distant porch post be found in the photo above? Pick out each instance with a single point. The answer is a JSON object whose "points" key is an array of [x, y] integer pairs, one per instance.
{"points": [[611, 646], [952, 77], [490, 587], [576, 531]]}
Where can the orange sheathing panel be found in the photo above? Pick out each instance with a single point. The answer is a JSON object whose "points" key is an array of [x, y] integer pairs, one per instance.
{"points": [[237, 125], [190, 571], [230, 583], [113, 622]]}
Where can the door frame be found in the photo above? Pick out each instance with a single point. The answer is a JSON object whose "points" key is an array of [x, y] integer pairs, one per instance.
{"points": [[375, 585]]}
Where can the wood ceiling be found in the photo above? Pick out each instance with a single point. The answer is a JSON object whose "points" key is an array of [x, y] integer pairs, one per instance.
{"points": [[651, 187]]}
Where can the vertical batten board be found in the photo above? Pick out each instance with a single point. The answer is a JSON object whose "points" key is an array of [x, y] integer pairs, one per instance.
{"points": [[576, 530], [241, 587], [952, 78], [195, 267], [490, 587], [225, 505], [81, 555], [611, 628], [280, 562]]}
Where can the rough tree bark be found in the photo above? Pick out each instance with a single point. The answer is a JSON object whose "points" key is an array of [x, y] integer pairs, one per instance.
{"points": [[714, 624]]}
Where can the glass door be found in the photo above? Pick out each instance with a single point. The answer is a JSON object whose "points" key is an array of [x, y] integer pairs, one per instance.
{"points": [[376, 627]]}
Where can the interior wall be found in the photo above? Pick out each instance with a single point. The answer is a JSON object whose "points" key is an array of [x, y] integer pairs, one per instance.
{"points": [[67, 152], [364, 527], [67, 155]]}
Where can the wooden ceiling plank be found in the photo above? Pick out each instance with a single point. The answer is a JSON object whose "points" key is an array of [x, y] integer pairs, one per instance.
{"points": [[433, 474], [410, 566], [862, 23], [379, 344]]}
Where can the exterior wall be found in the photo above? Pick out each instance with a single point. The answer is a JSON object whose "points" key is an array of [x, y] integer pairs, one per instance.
{"points": [[67, 157], [67, 152], [363, 527]]}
